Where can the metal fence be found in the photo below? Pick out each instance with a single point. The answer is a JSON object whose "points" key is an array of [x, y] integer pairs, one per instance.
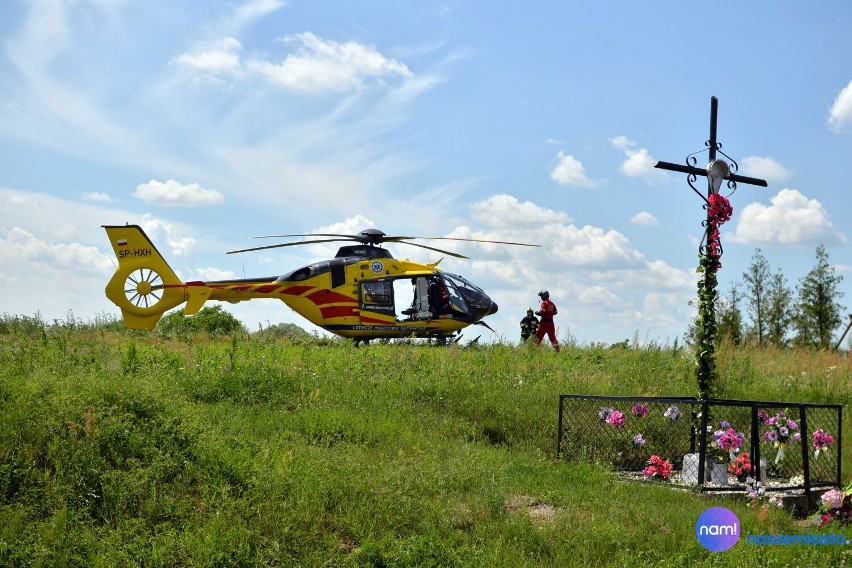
{"points": [[713, 445]]}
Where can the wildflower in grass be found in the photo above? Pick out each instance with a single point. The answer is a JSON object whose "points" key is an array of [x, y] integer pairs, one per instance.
{"points": [[821, 441], [754, 490], [616, 420], [640, 410], [672, 413]]}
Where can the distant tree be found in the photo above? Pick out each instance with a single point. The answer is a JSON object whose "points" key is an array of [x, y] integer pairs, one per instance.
{"points": [[779, 310], [817, 312], [212, 320], [730, 316], [288, 330], [756, 283]]}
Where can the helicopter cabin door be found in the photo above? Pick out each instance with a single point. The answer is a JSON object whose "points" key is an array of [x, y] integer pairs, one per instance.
{"points": [[376, 296]]}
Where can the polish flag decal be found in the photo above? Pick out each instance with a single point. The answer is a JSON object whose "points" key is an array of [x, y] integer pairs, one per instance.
{"points": [[121, 242]]}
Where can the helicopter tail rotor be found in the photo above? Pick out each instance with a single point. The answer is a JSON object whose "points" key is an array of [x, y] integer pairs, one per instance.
{"points": [[143, 286]]}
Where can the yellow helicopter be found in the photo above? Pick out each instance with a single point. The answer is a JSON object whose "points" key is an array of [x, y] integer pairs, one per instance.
{"points": [[362, 293]]}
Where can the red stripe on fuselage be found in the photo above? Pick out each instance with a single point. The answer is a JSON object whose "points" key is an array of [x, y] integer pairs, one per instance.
{"points": [[323, 297], [296, 290], [337, 312]]}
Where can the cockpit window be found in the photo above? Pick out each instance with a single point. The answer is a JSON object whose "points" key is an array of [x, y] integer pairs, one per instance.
{"points": [[456, 298], [377, 293], [467, 293]]}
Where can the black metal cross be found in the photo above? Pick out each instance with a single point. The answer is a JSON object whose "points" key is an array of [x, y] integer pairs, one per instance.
{"points": [[710, 250], [714, 146]]}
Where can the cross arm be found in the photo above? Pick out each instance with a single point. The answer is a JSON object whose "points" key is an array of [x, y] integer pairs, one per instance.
{"points": [[702, 172]]}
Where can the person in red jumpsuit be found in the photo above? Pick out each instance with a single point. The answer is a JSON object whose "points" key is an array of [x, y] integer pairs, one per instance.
{"points": [[546, 311]]}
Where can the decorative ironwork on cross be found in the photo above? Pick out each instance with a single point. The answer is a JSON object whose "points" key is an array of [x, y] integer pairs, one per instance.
{"points": [[719, 210]]}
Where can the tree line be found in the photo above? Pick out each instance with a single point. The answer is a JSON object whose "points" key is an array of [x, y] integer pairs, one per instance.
{"points": [[764, 308]]}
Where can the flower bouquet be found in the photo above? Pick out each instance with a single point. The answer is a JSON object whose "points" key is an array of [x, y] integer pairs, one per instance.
{"points": [[781, 431], [836, 506], [657, 467], [741, 466], [640, 410], [821, 442], [672, 413], [726, 442], [614, 418]]}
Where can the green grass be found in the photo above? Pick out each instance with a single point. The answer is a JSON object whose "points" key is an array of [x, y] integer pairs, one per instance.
{"points": [[124, 449]]}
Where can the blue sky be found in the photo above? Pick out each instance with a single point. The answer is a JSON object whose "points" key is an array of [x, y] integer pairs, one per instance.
{"points": [[208, 122]]}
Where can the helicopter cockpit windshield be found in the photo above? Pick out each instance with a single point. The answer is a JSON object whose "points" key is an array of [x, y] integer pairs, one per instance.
{"points": [[475, 301], [431, 296]]}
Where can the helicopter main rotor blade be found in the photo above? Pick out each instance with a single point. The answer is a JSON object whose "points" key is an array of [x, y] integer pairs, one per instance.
{"points": [[455, 254], [284, 245], [374, 237], [477, 241], [350, 237]]}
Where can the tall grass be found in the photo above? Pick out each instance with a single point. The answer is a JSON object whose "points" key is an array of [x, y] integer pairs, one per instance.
{"points": [[122, 449]]}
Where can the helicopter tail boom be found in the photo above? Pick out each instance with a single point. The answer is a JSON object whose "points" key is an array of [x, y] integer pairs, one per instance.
{"points": [[144, 287]]}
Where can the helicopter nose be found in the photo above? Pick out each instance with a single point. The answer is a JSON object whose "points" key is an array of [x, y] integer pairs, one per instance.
{"points": [[493, 308]]}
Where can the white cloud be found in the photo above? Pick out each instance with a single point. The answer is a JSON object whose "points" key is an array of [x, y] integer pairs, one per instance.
{"points": [[645, 218], [210, 274], [172, 192], [56, 277], [316, 66], [180, 244], [255, 10], [570, 171], [507, 211], [765, 168], [638, 163], [97, 196], [790, 219], [591, 247], [840, 114], [323, 65], [215, 57], [19, 246]]}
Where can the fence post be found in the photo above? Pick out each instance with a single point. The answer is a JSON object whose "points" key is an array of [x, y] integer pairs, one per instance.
{"points": [[806, 464], [702, 444], [839, 442], [755, 444], [559, 428]]}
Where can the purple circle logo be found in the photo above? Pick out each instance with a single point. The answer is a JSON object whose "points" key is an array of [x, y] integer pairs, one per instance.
{"points": [[717, 529]]}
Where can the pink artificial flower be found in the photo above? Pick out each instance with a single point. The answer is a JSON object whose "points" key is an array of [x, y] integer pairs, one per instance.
{"points": [[822, 439], [833, 499], [616, 419], [640, 410]]}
